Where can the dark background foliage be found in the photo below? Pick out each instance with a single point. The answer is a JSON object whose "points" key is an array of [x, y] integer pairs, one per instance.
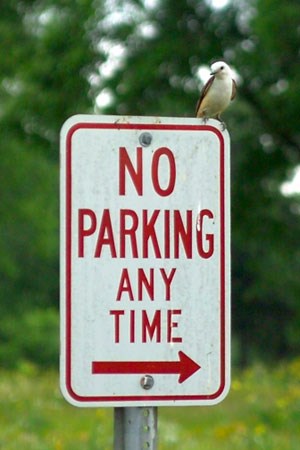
{"points": [[62, 57]]}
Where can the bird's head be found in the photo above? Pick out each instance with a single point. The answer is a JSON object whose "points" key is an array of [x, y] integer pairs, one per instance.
{"points": [[220, 69]]}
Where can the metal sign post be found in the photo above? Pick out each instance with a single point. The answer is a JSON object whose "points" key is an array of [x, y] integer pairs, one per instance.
{"points": [[135, 428]]}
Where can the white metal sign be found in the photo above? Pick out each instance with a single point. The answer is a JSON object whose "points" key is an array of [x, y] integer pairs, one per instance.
{"points": [[145, 260]]}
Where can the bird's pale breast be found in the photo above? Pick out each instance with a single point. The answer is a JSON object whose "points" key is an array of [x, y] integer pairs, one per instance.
{"points": [[218, 97]]}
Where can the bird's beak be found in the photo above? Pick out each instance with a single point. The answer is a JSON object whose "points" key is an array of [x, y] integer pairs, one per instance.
{"points": [[213, 72]]}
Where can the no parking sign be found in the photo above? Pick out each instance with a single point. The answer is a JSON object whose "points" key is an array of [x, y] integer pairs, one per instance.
{"points": [[145, 261]]}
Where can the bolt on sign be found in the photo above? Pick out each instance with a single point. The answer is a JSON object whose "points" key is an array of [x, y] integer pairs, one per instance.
{"points": [[145, 261]]}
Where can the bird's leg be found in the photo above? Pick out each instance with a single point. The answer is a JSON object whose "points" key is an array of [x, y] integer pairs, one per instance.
{"points": [[223, 124], [205, 118]]}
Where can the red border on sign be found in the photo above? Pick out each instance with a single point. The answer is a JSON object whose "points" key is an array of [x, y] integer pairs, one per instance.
{"points": [[68, 273]]}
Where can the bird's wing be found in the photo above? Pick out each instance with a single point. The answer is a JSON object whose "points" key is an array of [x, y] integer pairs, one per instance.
{"points": [[234, 89], [204, 92]]}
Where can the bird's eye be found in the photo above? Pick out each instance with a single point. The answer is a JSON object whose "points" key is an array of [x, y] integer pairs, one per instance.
{"points": [[222, 67]]}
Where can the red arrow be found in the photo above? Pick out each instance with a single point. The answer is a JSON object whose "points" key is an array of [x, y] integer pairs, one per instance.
{"points": [[185, 367]]}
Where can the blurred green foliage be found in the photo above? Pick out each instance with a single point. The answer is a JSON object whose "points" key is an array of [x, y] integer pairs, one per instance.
{"points": [[57, 56], [262, 411]]}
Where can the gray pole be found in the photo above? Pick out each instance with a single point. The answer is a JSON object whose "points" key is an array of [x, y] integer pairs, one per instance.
{"points": [[135, 428]]}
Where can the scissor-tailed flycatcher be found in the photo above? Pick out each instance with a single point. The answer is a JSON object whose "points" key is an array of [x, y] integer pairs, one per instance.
{"points": [[217, 94]]}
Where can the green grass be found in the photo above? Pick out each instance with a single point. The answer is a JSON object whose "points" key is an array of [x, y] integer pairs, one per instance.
{"points": [[262, 411]]}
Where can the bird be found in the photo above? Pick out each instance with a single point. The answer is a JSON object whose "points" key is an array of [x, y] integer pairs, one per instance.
{"points": [[217, 93]]}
